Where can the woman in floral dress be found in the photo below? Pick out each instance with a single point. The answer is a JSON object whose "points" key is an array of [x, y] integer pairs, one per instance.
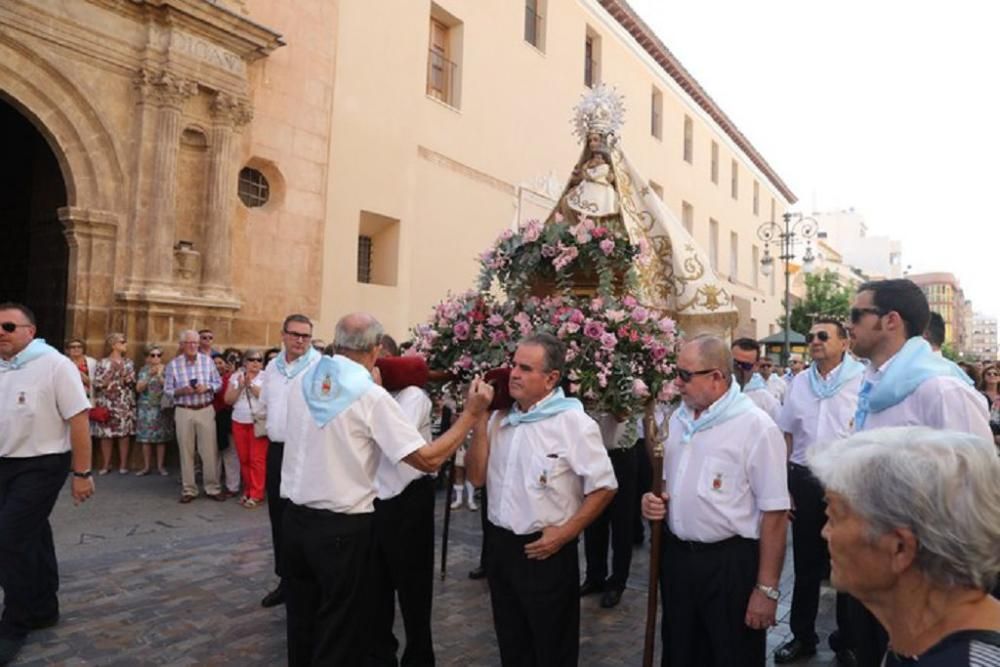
{"points": [[114, 389], [154, 423]]}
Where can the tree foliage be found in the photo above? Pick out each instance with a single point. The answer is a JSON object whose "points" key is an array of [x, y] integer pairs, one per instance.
{"points": [[825, 297]]}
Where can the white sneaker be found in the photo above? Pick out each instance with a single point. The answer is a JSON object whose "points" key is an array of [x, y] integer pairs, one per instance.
{"points": [[456, 503], [472, 504]]}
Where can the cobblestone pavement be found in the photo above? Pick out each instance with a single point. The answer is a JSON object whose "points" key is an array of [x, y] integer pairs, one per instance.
{"points": [[146, 581]]}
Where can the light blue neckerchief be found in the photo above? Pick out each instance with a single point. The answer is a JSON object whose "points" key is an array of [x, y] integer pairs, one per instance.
{"points": [[555, 403], [756, 382], [732, 404], [36, 348], [849, 369], [911, 367], [297, 366], [332, 385]]}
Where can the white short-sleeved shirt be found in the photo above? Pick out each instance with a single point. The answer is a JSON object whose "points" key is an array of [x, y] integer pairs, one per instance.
{"points": [[539, 472], [723, 479], [777, 387], [766, 401], [241, 408], [942, 402], [274, 396], [333, 468], [392, 478], [810, 420], [36, 402]]}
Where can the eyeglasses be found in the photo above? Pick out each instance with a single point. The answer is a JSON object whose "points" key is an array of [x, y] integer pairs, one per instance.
{"points": [[992, 373], [686, 375], [299, 336], [207, 337], [822, 336], [858, 313], [258, 359], [155, 354], [743, 365], [11, 327], [74, 346]]}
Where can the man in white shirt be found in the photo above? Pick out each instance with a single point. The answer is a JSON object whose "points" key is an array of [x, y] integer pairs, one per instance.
{"points": [[44, 432], [547, 476], [774, 383], [403, 555], [906, 384], [746, 363], [295, 356], [819, 408], [724, 536], [339, 424]]}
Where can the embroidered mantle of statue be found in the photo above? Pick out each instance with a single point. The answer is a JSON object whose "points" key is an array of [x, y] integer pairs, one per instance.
{"points": [[674, 273]]}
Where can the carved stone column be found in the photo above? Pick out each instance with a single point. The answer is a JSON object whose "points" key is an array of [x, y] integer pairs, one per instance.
{"points": [[91, 236], [168, 92], [229, 114]]}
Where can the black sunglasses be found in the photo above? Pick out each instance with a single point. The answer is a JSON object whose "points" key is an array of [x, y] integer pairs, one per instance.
{"points": [[858, 313], [155, 354], [11, 327], [743, 365], [686, 375], [300, 336], [254, 359], [822, 336]]}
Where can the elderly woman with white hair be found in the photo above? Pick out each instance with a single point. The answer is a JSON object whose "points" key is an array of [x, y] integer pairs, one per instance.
{"points": [[914, 533]]}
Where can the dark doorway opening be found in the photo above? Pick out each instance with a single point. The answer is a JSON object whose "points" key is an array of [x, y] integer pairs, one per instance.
{"points": [[34, 257]]}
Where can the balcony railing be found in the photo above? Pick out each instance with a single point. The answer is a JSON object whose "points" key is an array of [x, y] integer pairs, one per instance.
{"points": [[441, 77], [532, 27]]}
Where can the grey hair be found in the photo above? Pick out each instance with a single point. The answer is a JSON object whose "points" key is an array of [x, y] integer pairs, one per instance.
{"points": [[554, 349], [357, 332], [943, 486], [186, 333], [714, 353]]}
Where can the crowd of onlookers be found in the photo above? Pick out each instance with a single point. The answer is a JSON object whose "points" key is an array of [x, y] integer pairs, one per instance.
{"points": [[135, 404]]}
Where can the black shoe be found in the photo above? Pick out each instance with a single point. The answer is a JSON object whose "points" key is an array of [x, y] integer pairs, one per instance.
{"points": [[590, 587], [792, 651], [612, 597], [846, 657], [9, 648], [478, 573], [43, 623], [274, 598]]}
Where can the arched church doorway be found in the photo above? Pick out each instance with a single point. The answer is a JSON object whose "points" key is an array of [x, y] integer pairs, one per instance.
{"points": [[33, 252]]}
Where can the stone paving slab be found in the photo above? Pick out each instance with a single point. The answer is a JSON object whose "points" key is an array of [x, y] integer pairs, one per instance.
{"points": [[146, 581]]}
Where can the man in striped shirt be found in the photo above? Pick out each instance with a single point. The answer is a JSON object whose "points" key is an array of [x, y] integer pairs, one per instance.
{"points": [[191, 380]]}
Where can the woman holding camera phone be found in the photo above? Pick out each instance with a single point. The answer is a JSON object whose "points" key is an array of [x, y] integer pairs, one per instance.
{"points": [[243, 394]]}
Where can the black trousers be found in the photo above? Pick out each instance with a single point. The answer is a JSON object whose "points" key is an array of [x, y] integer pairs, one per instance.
{"points": [[811, 557], [705, 591], [275, 503], [616, 519], [29, 574], [403, 562], [536, 603], [326, 560]]}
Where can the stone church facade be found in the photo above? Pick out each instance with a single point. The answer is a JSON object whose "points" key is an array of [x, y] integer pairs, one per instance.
{"points": [[166, 165]]}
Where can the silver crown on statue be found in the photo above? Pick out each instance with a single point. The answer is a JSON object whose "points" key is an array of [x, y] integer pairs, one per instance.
{"points": [[601, 111]]}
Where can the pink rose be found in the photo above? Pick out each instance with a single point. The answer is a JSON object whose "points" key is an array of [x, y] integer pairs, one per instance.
{"points": [[608, 341], [607, 246], [495, 320], [639, 388], [667, 325], [461, 330], [630, 302], [593, 329], [576, 316], [640, 314]]}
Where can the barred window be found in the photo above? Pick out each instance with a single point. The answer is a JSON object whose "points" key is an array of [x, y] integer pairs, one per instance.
{"points": [[253, 190], [364, 259]]}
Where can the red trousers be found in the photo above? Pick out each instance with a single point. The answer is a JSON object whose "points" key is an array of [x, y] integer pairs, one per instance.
{"points": [[253, 459]]}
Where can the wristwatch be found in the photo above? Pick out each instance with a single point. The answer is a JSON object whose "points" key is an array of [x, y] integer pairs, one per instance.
{"points": [[770, 592], [86, 474]]}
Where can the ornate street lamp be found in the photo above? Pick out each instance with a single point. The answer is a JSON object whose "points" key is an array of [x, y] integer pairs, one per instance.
{"points": [[796, 228]]}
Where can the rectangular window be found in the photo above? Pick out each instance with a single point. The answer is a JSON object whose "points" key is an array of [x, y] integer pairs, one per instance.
{"points": [[534, 23], [713, 243], [364, 259], [657, 189], [755, 267], [378, 249], [443, 57], [734, 256], [656, 114], [734, 187], [715, 163], [591, 59], [756, 198], [688, 140], [687, 217]]}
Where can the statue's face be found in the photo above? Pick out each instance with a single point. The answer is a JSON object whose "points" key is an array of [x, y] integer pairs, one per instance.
{"points": [[595, 141]]}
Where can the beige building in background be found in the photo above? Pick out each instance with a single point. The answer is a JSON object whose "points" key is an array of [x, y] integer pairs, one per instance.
{"points": [[180, 163], [945, 296]]}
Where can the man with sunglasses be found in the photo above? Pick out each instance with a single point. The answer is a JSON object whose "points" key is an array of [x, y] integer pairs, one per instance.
{"points": [[205, 339], [724, 508], [905, 384], [774, 383], [746, 360], [44, 433], [819, 408], [296, 356]]}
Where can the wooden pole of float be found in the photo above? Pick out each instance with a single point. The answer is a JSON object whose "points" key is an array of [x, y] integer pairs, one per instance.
{"points": [[655, 452]]}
